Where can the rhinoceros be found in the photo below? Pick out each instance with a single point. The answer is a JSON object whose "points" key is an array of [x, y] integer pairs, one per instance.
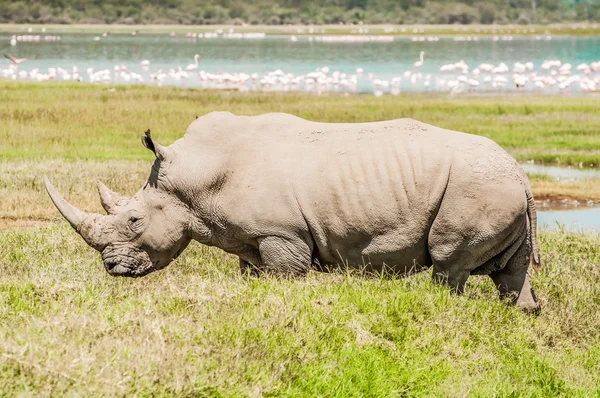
{"points": [[287, 195]]}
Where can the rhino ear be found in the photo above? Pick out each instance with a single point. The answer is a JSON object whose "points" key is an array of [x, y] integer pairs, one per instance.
{"points": [[160, 151]]}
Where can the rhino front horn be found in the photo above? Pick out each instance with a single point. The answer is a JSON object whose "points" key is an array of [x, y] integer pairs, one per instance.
{"points": [[89, 226], [73, 215]]}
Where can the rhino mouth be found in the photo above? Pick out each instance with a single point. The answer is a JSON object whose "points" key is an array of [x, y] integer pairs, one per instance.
{"points": [[128, 267]]}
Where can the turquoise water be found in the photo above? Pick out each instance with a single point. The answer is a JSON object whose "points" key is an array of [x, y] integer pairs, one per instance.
{"points": [[575, 220], [220, 55]]}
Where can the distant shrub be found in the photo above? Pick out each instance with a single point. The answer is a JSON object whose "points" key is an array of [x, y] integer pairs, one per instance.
{"points": [[487, 13], [523, 20], [274, 20], [237, 22]]}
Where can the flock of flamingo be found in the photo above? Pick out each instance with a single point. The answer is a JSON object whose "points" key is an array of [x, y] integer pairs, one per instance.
{"points": [[549, 76]]}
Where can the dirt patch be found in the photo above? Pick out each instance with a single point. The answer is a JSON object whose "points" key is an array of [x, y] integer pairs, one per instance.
{"points": [[21, 224]]}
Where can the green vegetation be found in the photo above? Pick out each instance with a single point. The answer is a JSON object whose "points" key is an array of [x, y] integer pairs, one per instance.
{"points": [[199, 328], [283, 12]]}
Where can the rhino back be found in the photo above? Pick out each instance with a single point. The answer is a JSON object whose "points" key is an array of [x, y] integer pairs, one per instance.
{"points": [[364, 193]]}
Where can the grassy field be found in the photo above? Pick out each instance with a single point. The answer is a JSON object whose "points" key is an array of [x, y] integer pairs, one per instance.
{"points": [[199, 328], [77, 121], [574, 29]]}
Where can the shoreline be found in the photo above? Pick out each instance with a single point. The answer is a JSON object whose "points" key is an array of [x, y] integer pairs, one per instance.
{"points": [[563, 30]]}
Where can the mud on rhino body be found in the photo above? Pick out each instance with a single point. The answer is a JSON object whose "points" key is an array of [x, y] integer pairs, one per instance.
{"points": [[284, 194]]}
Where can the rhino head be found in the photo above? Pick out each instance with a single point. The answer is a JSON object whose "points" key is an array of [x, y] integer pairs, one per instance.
{"points": [[137, 235]]}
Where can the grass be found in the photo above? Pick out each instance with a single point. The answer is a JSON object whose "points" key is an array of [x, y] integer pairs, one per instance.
{"points": [[199, 328], [573, 29], [24, 197], [105, 123]]}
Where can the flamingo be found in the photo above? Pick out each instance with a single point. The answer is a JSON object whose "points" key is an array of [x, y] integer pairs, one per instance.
{"points": [[447, 68], [500, 69], [419, 63], [15, 61], [193, 66], [520, 81]]}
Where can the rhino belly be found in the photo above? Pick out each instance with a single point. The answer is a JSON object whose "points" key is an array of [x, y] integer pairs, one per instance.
{"points": [[399, 251]]}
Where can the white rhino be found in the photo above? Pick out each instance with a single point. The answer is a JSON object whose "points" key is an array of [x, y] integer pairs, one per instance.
{"points": [[287, 195]]}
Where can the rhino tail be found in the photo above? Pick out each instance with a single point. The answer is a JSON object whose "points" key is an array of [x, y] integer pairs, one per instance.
{"points": [[532, 214]]}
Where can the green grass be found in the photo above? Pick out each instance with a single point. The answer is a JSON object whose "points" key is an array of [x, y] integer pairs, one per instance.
{"points": [[199, 328], [565, 29], [68, 121]]}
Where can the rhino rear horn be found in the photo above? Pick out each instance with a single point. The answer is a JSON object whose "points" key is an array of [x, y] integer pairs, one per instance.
{"points": [[160, 151], [111, 201]]}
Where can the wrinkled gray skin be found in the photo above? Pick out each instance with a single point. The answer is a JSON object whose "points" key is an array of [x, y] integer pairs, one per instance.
{"points": [[287, 195]]}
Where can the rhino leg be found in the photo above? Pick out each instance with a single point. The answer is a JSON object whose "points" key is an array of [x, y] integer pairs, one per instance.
{"points": [[247, 268], [512, 281], [453, 276], [285, 257]]}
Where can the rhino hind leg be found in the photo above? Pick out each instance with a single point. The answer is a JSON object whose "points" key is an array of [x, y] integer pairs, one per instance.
{"points": [[512, 281], [285, 257]]}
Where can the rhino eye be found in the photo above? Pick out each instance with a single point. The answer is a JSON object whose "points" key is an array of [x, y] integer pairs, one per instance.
{"points": [[135, 224]]}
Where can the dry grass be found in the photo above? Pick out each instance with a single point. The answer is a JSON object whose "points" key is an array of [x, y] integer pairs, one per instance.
{"points": [[585, 190], [24, 196]]}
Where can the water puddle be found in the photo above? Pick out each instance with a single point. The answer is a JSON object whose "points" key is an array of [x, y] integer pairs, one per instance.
{"points": [[570, 214], [585, 219]]}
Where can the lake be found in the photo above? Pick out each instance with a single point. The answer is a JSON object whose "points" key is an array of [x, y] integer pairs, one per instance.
{"points": [[586, 219], [384, 60]]}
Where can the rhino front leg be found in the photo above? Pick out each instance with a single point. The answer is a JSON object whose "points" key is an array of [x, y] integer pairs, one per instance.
{"points": [[284, 256], [248, 269], [452, 276]]}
